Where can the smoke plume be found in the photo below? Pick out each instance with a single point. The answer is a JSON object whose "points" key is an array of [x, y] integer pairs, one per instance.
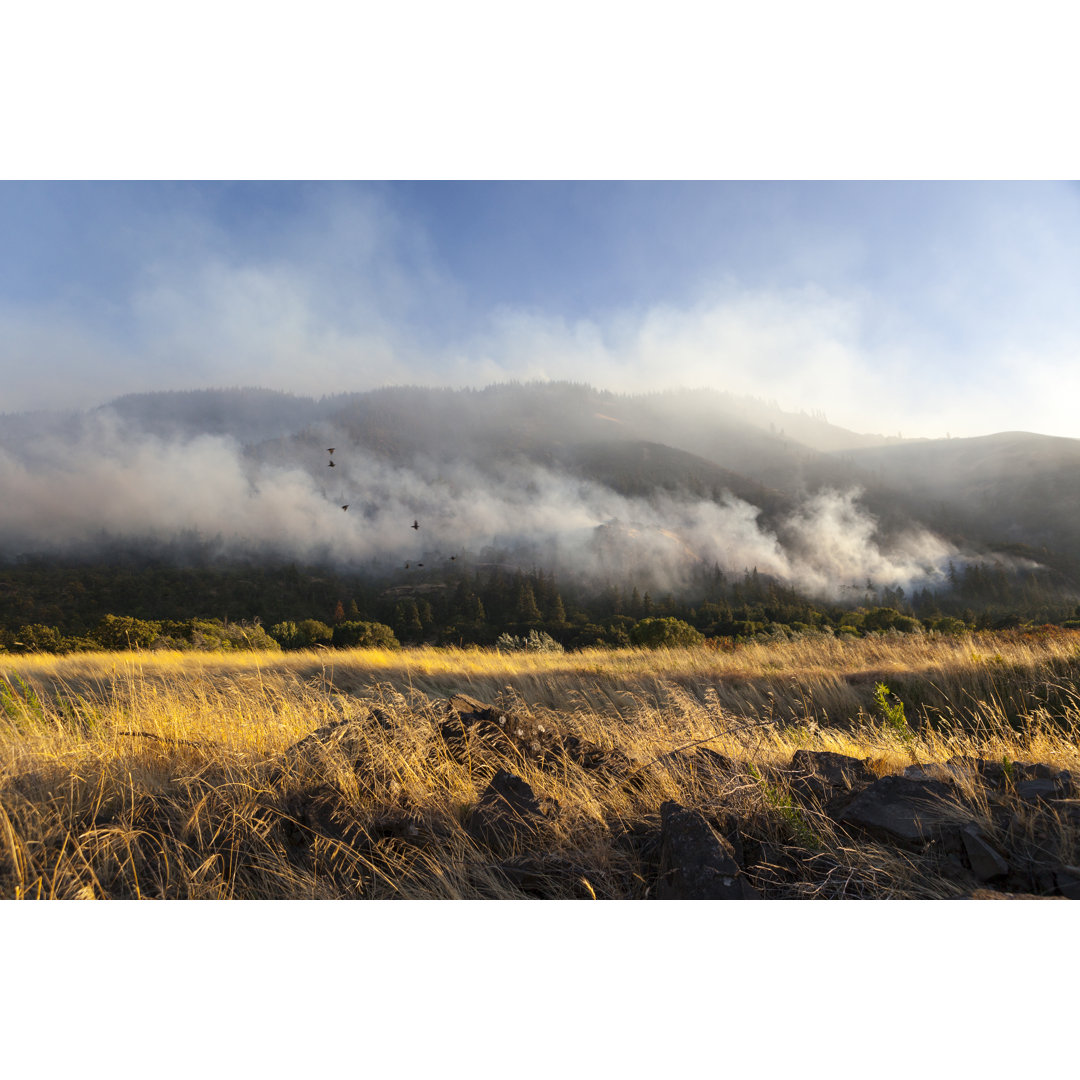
{"points": [[105, 480]]}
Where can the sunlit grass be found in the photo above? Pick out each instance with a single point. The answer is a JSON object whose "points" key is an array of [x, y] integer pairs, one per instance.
{"points": [[165, 774]]}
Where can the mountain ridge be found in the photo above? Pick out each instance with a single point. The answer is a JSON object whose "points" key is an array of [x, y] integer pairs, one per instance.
{"points": [[702, 461]]}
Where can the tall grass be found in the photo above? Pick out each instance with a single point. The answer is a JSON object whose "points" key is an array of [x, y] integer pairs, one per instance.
{"points": [[167, 774]]}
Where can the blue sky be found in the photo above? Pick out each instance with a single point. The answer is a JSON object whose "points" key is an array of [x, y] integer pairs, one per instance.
{"points": [[921, 308]]}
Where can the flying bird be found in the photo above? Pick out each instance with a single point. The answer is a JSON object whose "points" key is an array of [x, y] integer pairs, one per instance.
{"points": [[452, 558], [330, 449], [415, 525], [331, 465], [345, 507]]}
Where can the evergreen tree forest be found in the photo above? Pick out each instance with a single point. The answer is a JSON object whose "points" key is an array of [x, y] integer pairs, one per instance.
{"points": [[136, 602]]}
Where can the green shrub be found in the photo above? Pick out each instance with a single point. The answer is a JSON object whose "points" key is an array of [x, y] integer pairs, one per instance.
{"points": [[357, 634], [124, 632], [667, 632]]}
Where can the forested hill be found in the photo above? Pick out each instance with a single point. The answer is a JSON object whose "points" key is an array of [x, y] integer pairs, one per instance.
{"points": [[557, 476]]}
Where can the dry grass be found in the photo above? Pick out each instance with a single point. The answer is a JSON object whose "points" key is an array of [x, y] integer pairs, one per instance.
{"points": [[167, 775]]}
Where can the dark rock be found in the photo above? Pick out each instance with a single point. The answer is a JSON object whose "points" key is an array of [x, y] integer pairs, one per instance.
{"points": [[1068, 810], [382, 718], [398, 826], [1039, 771], [341, 739], [931, 770], [837, 770], [1027, 779], [508, 815], [997, 774], [1044, 877], [947, 838], [695, 863], [1040, 788], [729, 828], [904, 809], [991, 894], [530, 737], [592, 757], [1032, 875], [546, 877], [792, 872], [713, 761], [473, 727], [315, 813], [986, 862], [828, 779], [990, 772], [1067, 879], [952, 867]]}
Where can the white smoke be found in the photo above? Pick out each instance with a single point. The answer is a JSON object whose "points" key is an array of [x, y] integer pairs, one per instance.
{"points": [[106, 481]]}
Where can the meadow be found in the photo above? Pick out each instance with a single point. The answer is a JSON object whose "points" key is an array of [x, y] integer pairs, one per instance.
{"points": [[198, 776]]}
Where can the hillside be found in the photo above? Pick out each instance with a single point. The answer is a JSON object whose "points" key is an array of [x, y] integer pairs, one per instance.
{"points": [[536, 470], [1012, 488]]}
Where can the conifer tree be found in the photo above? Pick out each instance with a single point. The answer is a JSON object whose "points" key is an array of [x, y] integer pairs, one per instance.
{"points": [[527, 611]]}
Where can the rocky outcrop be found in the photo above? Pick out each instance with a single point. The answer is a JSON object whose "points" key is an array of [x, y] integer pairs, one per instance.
{"points": [[966, 826], [986, 862], [346, 739], [508, 817], [472, 728], [696, 863], [911, 811], [827, 779]]}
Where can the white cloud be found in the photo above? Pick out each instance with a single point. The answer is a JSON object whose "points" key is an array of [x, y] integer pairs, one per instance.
{"points": [[347, 294]]}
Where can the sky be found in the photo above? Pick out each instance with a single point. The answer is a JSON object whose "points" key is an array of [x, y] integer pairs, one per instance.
{"points": [[914, 308]]}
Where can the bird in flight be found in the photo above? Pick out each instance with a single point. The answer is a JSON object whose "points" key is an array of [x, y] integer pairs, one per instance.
{"points": [[345, 507], [452, 558], [331, 465], [330, 449], [415, 525]]}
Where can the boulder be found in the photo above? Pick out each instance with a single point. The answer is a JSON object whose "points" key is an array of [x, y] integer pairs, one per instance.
{"points": [[986, 861], [993, 773], [904, 809], [836, 770], [314, 813], [829, 779], [469, 721], [508, 815], [472, 726], [1067, 879], [1045, 787], [544, 877], [695, 863]]}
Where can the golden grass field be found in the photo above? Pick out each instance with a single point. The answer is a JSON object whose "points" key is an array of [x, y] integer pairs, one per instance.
{"points": [[165, 775]]}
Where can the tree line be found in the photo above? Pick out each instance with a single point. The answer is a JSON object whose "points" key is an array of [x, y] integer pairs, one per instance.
{"points": [[47, 606]]}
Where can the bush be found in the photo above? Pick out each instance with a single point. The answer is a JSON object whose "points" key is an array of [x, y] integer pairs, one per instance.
{"points": [[38, 638], [124, 632], [362, 635], [213, 634], [302, 635], [886, 618], [664, 633]]}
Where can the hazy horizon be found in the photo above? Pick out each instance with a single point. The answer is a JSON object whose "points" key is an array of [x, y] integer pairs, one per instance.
{"points": [[913, 309]]}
